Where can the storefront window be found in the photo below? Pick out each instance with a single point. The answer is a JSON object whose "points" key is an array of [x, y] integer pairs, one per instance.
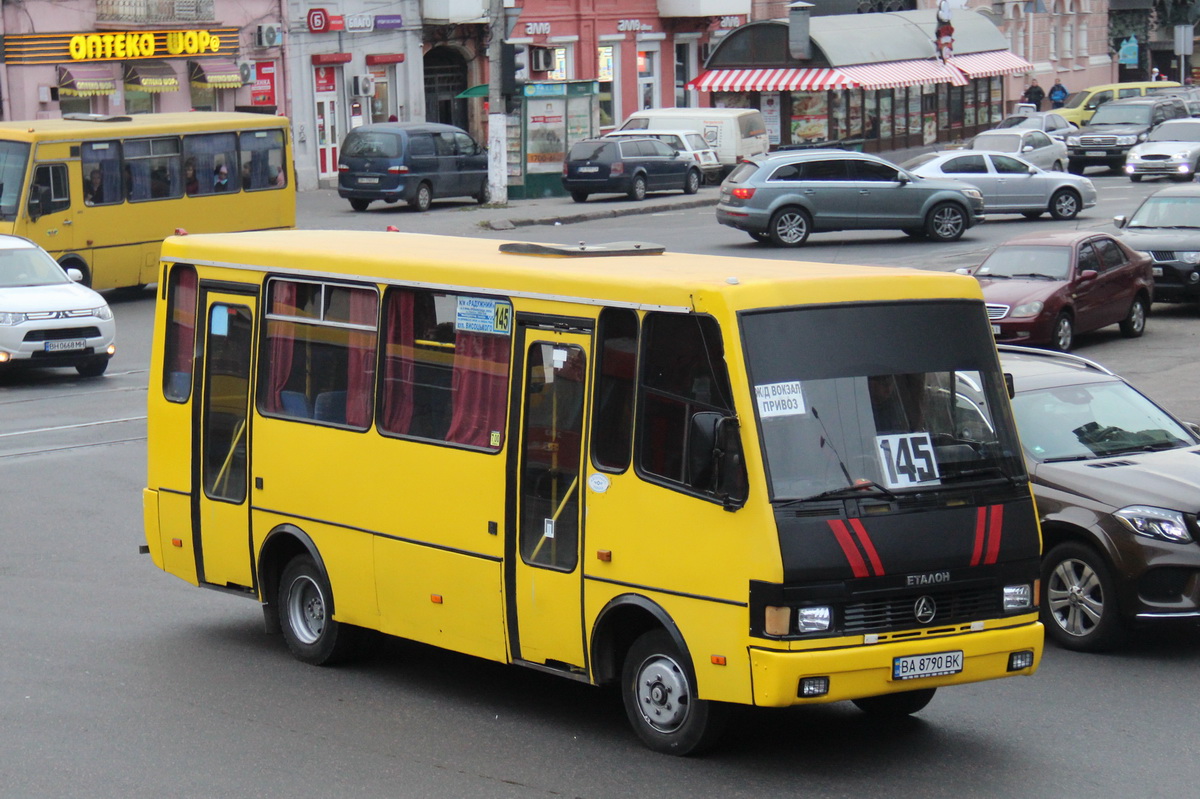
{"points": [[915, 109], [943, 106], [885, 115], [956, 108], [608, 112], [74, 105], [380, 102], [810, 117], [138, 102], [560, 64], [997, 99], [871, 114], [204, 98], [647, 66]]}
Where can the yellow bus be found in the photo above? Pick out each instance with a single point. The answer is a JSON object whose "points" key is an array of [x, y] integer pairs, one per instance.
{"points": [[100, 193], [714, 481]]}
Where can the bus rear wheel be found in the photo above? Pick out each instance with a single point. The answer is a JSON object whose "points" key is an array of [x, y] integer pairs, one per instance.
{"points": [[659, 692], [311, 634], [904, 703]]}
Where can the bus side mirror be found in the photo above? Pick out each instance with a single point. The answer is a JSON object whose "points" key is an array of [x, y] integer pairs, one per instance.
{"points": [[39, 202], [714, 458], [1008, 385]]}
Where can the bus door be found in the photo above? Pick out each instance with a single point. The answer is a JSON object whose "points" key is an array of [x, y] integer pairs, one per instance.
{"points": [[545, 577], [48, 208], [221, 466]]}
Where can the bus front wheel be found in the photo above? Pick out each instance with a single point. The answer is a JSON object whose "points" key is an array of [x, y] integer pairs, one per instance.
{"points": [[659, 692], [311, 634]]}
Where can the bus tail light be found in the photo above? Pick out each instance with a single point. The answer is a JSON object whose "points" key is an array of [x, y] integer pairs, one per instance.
{"points": [[743, 194], [397, 170]]}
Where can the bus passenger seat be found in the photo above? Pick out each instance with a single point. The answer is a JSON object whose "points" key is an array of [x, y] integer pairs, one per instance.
{"points": [[295, 403], [330, 407]]}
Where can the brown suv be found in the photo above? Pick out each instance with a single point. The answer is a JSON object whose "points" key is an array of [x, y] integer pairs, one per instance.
{"points": [[1115, 477]]}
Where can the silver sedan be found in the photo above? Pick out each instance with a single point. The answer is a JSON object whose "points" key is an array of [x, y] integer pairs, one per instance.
{"points": [[1172, 149], [1010, 185], [1032, 145]]}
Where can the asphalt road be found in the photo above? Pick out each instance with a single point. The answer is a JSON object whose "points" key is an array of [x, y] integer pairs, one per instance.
{"points": [[120, 681]]}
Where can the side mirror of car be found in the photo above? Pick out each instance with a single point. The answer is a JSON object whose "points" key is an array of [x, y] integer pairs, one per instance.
{"points": [[901, 178], [74, 274], [1028, 148], [1033, 170], [962, 270], [1088, 274], [1120, 221], [1195, 428]]}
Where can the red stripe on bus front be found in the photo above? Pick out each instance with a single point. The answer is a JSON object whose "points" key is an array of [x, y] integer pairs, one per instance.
{"points": [[980, 517], [857, 564], [868, 547], [995, 527]]}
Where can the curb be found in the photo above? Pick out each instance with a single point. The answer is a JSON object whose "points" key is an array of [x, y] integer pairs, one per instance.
{"points": [[588, 216]]}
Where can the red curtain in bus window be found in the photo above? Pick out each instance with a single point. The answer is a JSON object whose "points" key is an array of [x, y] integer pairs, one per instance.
{"points": [[398, 367], [479, 385], [282, 335], [183, 319], [360, 361]]}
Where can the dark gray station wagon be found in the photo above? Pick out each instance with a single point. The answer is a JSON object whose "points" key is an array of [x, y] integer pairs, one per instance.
{"points": [[417, 162]]}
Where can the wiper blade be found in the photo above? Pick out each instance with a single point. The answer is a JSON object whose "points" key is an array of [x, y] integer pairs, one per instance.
{"points": [[1157, 446], [982, 470], [869, 486], [1035, 274], [1069, 458], [994, 277]]}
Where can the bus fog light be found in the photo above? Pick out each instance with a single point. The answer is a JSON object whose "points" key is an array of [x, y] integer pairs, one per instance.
{"points": [[813, 686], [1020, 660], [1018, 597], [812, 620], [777, 620]]}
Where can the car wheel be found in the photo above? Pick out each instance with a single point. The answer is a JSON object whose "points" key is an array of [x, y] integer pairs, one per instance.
{"points": [[1079, 611], [915, 233], [359, 205], [1063, 333], [946, 222], [1064, 204], [305, 603], [579, 196], [484, 195], [691, 185], [659, 693], [904, 703], [1058, 167], [760, 237], [423, 200], [638, 190], [1134, 323], [1075, 167], [1032, 214], [92, 367], [1135, 178], [789, 227]]}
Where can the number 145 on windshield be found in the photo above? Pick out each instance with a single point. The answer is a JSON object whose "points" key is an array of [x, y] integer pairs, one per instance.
{"points": [[907, 460]]}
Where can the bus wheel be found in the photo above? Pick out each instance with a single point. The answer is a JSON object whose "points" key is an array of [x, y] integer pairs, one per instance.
{"points": [[904, 703], [659, 691], [311, 634]]}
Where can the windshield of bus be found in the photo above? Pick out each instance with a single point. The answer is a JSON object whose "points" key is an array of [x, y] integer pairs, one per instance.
{"points": [[870, 398], [14, 157]]}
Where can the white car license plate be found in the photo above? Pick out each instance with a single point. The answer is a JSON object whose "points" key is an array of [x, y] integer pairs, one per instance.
{"points": [[368, 180], [65, 344], [1096, 153], [995, 330], [934, 665], [589, 169], [1156, 271]]}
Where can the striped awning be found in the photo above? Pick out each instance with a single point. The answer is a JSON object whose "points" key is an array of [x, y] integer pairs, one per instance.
{"points": [[85, 80], [991, 63], [897, 74], [770, 80], [151, 75], [214, 73]]}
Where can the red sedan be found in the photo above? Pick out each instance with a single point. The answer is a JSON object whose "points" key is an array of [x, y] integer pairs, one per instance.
{"points": [[1044, 288]]}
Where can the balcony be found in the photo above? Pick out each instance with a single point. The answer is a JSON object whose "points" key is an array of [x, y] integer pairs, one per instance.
{"points": [[154, 12], [451, 12], [703, 8]]}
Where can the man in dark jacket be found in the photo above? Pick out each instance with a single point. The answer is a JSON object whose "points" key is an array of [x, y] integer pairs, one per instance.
{"points": [[1034, 95]]}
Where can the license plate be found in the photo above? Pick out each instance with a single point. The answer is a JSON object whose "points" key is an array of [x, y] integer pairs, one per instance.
{"points": [[65, 344], [589, 169], [995, 330], [1096, 153], [368, 180], [1156, 271], [935, 665]]}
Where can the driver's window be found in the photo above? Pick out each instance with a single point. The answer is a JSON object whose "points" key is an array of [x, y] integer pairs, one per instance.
{"points": [[1100, 99], [1009, 166], [53, 178], [872, 170], [1088, 258]]}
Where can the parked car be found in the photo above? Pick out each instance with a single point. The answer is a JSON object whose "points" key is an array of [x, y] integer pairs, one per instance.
{"points": [[1171, 150], [1032, 145], [689, 143], [1115, 477], [1118, 126], [734, 133], [1052, 124], [783, 197], [47, 318], [1079, 106], [1044, 288], [417, 162], [1010, 185], [633, 166], [1167, 227]]}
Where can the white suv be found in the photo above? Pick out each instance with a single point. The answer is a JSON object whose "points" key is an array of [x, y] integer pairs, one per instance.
{"points": [[47, 318]]}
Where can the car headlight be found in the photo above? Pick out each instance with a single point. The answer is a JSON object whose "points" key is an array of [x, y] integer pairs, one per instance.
{"points": [[103, 312], [1133, 155], [1188, 256], [1183, 156], [974, 194], [1027, 309], [1073, 141], [1127, 140], [1160, 523], [11, 317]]}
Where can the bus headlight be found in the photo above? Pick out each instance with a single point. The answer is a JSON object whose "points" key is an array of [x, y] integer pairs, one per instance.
{"points": [[1018, 597], [813, 620]]}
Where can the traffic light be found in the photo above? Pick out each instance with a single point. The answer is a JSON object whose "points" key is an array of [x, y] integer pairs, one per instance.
{"points": [[514, 68]]}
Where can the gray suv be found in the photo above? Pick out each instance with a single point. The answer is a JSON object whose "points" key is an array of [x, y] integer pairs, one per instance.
{"points": [[782, 197], [1116, 127]]}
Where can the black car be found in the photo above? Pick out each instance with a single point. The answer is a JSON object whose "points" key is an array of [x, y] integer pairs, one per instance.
{"points": [[1115, 477], [627, 166], [417, 162], [1115, 127], [1167, 225]]}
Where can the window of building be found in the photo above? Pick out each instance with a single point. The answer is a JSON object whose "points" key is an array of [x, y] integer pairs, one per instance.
{"points": [[606, 73]]}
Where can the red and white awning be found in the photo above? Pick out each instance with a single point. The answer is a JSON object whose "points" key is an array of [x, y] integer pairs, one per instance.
{"points": [[991, 63], [770, 80], [897, 74]]}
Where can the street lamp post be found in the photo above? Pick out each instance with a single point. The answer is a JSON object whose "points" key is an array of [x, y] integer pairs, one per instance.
{"points": [[497, 130]]}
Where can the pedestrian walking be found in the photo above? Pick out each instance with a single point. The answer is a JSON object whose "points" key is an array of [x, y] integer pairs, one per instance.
{"points": [[1058, 94], [1034, 95]]}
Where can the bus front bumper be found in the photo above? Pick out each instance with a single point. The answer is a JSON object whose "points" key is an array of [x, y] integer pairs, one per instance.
{"points": [[862, 671]]}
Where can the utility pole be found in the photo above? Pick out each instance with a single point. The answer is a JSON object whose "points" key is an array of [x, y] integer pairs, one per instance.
{"points": [[497, 132]]}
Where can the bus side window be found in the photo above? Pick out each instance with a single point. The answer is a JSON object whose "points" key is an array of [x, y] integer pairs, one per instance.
{"points": [[203, 153], [180, 343], [101, 166], [612, 409], [52, 178], [683, 373], [320, 352], [154, 170], [262, 162]]}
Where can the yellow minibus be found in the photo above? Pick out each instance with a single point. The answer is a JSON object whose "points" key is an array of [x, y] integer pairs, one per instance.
{"points": [[712, 481], [100, 193]]}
